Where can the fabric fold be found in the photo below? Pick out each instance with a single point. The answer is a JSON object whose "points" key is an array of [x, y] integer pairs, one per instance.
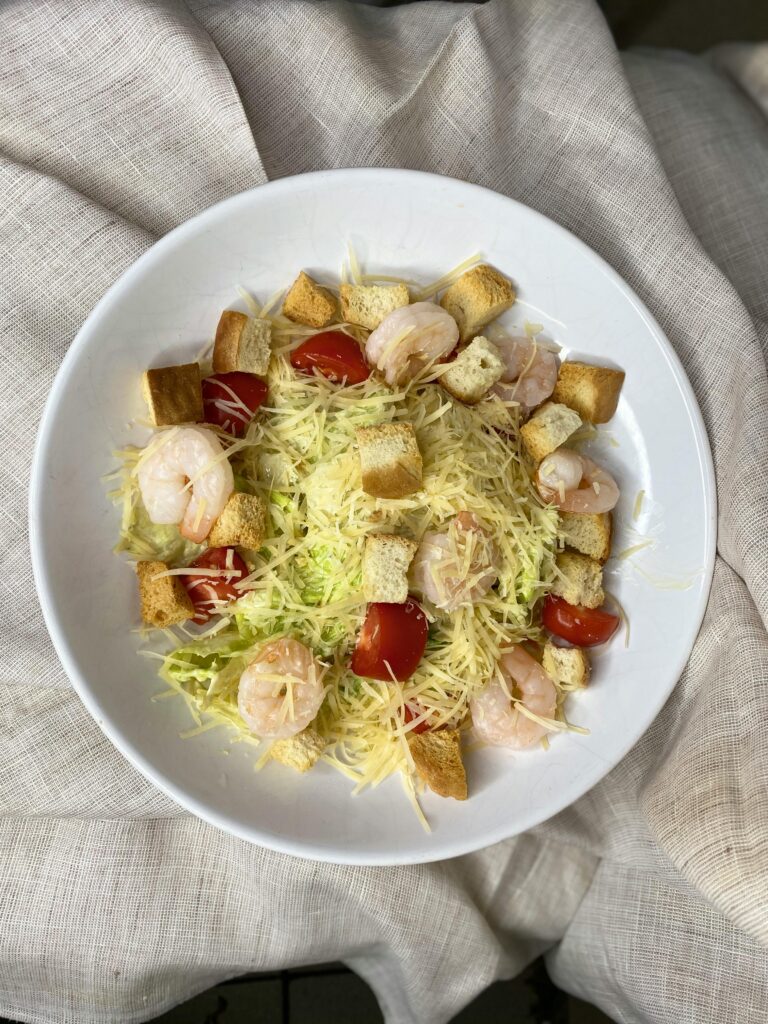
{"points": [[118, 121]]}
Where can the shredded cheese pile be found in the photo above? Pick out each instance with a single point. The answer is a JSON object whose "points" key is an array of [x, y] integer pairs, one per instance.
{"points": [[306, 581], [300, 455]]}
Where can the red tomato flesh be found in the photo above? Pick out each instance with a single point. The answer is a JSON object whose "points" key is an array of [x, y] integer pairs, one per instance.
{"points": [[409, 716], [206, 591], [584, 627], [337, 356], [394, 635], [230, 400]]}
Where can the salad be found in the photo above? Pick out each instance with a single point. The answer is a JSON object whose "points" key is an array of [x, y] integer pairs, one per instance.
{"points": [[363, 531]]}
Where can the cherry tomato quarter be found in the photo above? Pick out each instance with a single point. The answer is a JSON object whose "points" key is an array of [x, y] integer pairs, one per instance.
{"points": [[394, 635], [337, 356], [230, 400], [206, 592], [584, 627]]}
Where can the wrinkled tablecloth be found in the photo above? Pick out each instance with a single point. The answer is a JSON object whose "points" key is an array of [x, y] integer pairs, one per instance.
{"points": [[121, 118]]}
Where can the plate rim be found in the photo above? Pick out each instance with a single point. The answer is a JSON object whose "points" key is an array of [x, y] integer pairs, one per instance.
{"points": [[448, 848]]}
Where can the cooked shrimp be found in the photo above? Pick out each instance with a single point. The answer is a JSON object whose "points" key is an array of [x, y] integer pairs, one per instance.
{"points": [[281, 690], [455, 567], [494, 715], [530, 372], [165, 473], [411, 338], [573, 483]]}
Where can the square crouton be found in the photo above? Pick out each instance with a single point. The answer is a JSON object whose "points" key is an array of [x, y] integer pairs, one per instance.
{"points": [[581, 581], [437, 756], [549, 427], [173, 394], [243, 522], [478, 297], [589, 534], [593, 391], [308, 303], [242, 343], [368, 304], [385, 567], [164, 601], [568, 666], [474, 371], [300, 752], [390, 460]]}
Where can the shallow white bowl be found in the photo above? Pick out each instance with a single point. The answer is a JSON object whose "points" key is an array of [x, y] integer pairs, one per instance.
{"points": [[164, 309]]}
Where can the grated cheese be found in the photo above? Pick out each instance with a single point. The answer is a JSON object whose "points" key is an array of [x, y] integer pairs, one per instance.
{"points": [[354, 266], [271, 302], [430, 290], [638, 507], [199, 513], [628, 552], [253, 306], [622, 615], [300, 457], [189, 571]]}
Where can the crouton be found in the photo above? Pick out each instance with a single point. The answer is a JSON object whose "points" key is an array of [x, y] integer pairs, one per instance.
{"points": [[437, 756], [308, 303], [385, 567], [473, 371], [593, 391], [549, 427], [300, 752], [368, 304], [581, 581], [242, 522], [164, 601], [242, 343], [568, 666], [478, 297], [173, 394], [390, 460], [591, 535]]}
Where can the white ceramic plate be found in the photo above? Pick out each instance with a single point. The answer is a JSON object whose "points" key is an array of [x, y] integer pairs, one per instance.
{"points": [[165, 308]]}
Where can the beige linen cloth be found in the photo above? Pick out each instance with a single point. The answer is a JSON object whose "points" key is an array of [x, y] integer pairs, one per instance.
{"points": [[121, 118]]}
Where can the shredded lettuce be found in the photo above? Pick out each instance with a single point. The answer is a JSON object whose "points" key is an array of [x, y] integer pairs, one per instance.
{"points": [[145, 540], [322, 570]]}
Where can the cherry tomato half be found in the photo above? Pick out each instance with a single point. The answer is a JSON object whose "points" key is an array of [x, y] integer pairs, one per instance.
{"points": [[394, 635], [409, 716], [230, 400], [206, 591], [337, 356], [585, 627]]}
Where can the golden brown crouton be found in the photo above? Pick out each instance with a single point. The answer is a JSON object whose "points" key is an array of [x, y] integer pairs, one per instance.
{"points": [[173, 394], [385, 567], [593, 391], [390, 460], [581, 581], [589, 534], [437, 756], [242, 522], [568, 666], [549, 427], [473, 371], [242, 343], [300, 752], [478, 297], [164, 601], [308, 303], [368, 304]]}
